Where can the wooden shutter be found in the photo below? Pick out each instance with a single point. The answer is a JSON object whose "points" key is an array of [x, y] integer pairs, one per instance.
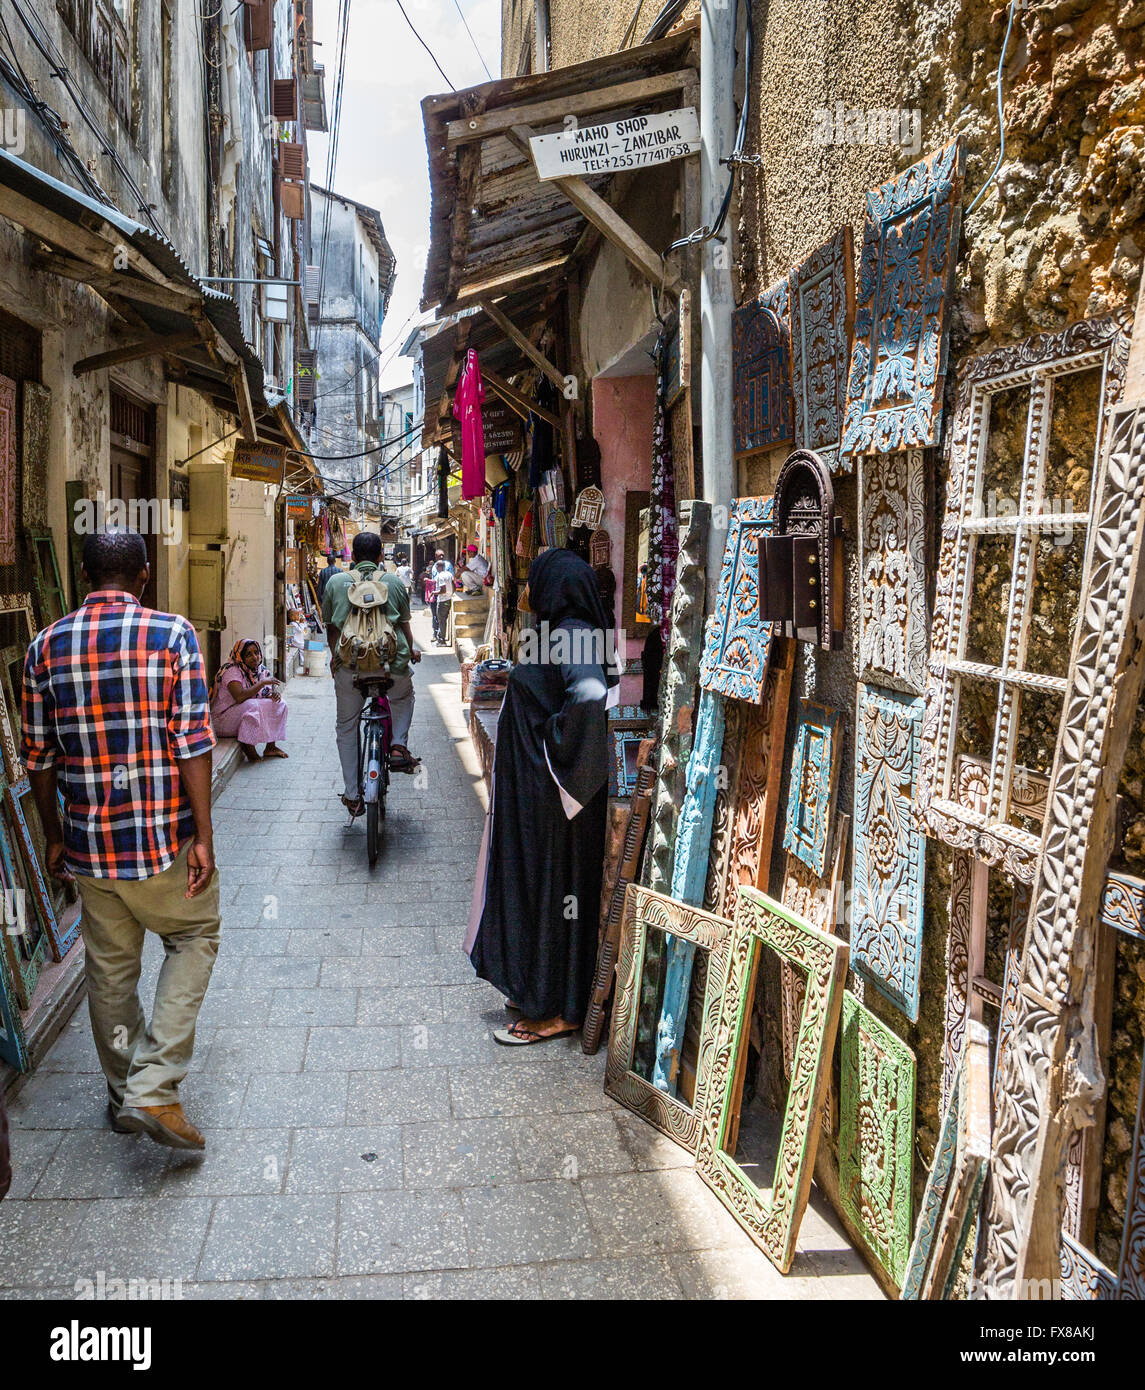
{"points": [[307, 374], [292, 196], [292, 160], [205, 586], [258, 25], [284, 99], [7, 471]]}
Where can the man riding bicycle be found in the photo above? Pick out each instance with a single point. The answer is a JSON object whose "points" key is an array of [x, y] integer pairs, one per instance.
{"points": [[336, 608]]}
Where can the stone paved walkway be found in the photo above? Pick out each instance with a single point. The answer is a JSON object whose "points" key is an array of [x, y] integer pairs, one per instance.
{"points": [[367, 1138]]}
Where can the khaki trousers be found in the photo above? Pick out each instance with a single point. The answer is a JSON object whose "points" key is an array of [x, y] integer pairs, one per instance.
{"points": [[348, 706], [144, 1065]]}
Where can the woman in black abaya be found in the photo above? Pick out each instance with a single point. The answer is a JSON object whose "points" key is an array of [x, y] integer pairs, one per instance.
{"points": [[537, 910]]}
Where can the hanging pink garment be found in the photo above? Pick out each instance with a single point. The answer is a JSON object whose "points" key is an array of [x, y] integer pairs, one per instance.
{"points": [[467, 409]]}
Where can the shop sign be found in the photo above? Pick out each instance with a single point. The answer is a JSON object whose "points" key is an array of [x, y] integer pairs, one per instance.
{"points": [[635, 143], [261, 463], [298, 506]]}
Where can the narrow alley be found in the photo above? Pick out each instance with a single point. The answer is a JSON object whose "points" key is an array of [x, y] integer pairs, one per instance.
{"points": [[366, 1136]]}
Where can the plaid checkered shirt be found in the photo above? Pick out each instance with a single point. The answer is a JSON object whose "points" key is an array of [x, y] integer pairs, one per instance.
{"points": [[114, 696]]}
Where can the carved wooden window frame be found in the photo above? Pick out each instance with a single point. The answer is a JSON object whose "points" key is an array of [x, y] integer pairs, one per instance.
{"points": [[644, 909], [893, 578], [20, 874], [914, 217], [982, 826], [762, 418], [822, 316], [953, 1189], [820, 727], [736, 642], [772, 1223], [876, 1093], [889, 860]]}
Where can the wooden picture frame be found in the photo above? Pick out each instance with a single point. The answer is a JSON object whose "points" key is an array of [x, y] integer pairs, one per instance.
{"points": [[624, 739], [17, 620], [12, 658], [635, 504], [61, 906], [814, 782], [646, 911], [27, 949], [876, 1135], [772, 1221], [50, 593], [953, 1189], [822, 316], [13, 1043]]}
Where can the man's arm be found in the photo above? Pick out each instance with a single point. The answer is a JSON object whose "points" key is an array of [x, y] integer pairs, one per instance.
{"points": [[195, 775], [43, 783], [407, 633]]}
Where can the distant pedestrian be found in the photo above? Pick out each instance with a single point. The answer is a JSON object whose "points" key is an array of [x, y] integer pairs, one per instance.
{"points": [[327, 574], [115, 714], [405, 574], [441, 579]]}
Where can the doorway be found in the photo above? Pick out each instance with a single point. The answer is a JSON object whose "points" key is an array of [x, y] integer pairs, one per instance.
{"points": [[133, 475]]}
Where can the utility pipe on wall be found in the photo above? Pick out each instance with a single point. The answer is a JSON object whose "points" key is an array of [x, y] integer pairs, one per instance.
{"points": [[717, 136]]}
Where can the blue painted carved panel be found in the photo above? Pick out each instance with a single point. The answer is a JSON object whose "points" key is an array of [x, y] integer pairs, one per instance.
{"points": [[763, 404], [822, 311], [735, 649], [814, 778], [898, 360], [890, 847]]}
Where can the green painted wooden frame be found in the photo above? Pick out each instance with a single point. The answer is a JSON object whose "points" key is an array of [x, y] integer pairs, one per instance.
{"points": [[772, 1220], [953, 1190], [644, 909], [876, 1135], [49, 586], [17, 874]]}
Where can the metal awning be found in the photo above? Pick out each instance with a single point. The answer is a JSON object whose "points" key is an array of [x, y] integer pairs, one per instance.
{"points": [[142, 276], [494, 227]]}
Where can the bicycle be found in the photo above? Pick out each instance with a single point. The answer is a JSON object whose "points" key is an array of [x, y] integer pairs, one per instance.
{"points": [[375, 735]]}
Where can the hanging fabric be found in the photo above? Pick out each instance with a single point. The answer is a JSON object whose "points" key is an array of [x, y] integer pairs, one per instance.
{"points": [[541, 442], [663, 537], [467, 409], [442, 484]]}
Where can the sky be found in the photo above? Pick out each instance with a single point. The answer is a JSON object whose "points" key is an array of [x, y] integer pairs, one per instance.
{"points": [[381, 148]]}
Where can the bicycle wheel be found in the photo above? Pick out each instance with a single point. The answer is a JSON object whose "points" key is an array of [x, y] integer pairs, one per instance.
{"points": [[373, 831]]}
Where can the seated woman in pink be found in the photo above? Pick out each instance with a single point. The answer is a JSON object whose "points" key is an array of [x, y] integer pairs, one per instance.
{"points": [[247, 703]]}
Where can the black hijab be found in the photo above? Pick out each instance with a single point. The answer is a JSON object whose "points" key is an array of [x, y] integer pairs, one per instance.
{"points": [[562, 586]]}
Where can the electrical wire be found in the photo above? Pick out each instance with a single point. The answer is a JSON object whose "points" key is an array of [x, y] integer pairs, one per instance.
{"points": [[426, 46], [1001, 118], [706, 233], [473, 41]]}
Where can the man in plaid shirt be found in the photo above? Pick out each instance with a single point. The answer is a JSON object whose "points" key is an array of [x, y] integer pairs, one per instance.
{"points": [[115, 713]]}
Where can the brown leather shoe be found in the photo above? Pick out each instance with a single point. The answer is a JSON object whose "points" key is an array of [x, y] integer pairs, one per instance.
{"points": [[165, 1124]]}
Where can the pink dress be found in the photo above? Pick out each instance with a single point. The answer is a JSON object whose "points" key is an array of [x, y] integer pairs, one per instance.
{"points": [[260, 720], [467, 408]]}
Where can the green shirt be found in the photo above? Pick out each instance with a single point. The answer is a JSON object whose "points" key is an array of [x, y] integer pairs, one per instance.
{"points": [[336, 606]]}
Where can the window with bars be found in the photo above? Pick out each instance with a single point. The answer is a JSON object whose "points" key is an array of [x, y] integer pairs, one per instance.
{"points": [[1023, 467]]}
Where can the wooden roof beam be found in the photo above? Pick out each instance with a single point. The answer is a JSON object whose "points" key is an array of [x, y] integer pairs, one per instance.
{"points": [[519, 402], [514, 334], [120, 285], [152, 346], [587, 103], [604, 216]]}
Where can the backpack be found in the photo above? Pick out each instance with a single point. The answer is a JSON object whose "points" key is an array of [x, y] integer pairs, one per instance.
{"points": [[367, 641]]}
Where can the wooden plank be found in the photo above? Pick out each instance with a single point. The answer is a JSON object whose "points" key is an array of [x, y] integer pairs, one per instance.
{"points": [[175, 298], [651, 265], [517, 399], [148, 347], [246, 409], [587, 103], [514, 334]]}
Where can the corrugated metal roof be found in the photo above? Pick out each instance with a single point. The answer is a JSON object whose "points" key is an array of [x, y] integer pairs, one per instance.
{"points": [[90, 214]]}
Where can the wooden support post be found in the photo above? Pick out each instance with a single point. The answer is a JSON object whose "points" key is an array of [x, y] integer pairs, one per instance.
{"points": [[520, 402], [148, 347], [514, 334], [603, 215], [246, 409]]}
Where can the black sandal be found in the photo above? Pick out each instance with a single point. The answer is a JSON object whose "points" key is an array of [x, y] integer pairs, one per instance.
{"points": [[355, 808]]}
